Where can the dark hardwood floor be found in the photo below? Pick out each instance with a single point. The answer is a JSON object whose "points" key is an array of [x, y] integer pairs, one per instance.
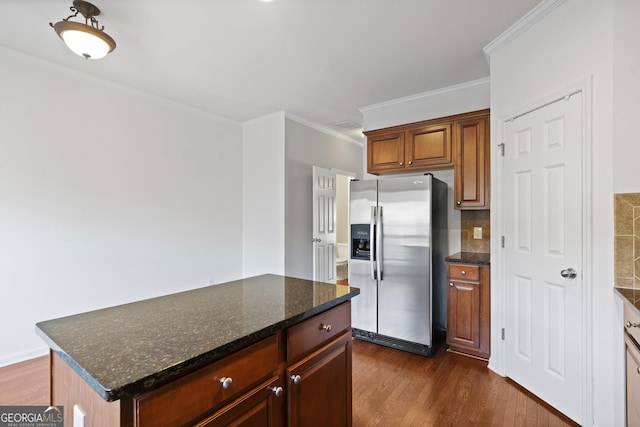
{"points": [[396, 388], [25, 383], [390, 388]]}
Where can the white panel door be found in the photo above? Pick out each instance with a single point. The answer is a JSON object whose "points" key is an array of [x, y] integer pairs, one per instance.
{"points": [[324, 225], [542, 180]]}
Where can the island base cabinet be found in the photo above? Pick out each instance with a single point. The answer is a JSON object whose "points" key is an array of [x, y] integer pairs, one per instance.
{"points": [[320, 386], [260, 391]]}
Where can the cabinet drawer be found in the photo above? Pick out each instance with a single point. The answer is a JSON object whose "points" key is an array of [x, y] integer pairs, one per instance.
{"points": [[312, 333], [464, 272], [189, 398]]}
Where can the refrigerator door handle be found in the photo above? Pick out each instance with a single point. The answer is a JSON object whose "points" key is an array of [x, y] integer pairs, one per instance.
{"points": [[378, 244], [372, 245]]}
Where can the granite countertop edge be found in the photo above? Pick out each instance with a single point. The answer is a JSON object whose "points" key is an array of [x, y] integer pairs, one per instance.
{"points": [[630, 295], [480, 258], [157, 379]]}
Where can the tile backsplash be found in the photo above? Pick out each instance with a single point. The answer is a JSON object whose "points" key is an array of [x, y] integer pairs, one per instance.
{"points": [[627, 240], [469, 220]]}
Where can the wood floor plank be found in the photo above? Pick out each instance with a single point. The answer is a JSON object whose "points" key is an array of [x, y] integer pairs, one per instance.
{"points": [[25, 383], [396, 388]]}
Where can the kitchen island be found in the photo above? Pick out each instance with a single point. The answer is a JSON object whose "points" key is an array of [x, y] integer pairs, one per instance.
{"points": [[261, 350]]}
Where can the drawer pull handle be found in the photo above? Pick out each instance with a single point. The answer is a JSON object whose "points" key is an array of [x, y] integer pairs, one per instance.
{"points": [[631, 325], [226, 382], [276, 390], [326, 328], [296, 379]]}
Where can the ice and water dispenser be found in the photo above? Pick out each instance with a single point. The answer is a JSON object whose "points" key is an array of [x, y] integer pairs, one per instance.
{"points": [[360, 242]]}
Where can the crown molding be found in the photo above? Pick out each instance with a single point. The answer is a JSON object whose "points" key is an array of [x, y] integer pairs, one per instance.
{"points": [[323, 129], [435, 92], [521, 26]]}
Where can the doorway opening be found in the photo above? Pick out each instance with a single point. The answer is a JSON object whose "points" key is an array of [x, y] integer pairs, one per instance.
{"points": [[342, 228], [330, 219]]}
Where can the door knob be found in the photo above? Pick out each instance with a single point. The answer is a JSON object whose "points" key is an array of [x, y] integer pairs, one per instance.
{"points": [[313, 239], [569, 273]]}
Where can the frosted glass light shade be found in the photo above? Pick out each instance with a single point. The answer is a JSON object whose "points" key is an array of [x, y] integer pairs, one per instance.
{"points": [[85, 40]]}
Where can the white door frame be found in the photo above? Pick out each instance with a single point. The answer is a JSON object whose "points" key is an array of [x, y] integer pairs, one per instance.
{"points": [[497, 359]]}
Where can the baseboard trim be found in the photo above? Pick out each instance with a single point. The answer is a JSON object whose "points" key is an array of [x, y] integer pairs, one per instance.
{"points": [[22, 356]]}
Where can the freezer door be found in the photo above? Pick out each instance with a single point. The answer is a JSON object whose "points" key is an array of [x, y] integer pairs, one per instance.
{"points": [[362, 197], [364, 306], [404, 293]]}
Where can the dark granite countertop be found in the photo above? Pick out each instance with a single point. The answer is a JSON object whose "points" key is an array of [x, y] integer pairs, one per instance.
{"points": [[470, 258], [632, 296], [132, 348]]}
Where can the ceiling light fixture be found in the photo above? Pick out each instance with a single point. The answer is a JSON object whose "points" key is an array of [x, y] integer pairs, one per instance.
{"points": [[89, 39]]}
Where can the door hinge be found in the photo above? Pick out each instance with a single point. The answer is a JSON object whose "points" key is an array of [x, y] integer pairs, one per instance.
{"points": [[502, 334], [502, 241], [501, 147]]}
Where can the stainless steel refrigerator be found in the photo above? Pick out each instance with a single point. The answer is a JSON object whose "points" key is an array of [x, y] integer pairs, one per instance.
{"points": [[398, 246]]}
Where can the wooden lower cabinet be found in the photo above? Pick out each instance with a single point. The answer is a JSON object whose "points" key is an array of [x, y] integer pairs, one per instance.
{"points": [[468, 309], [320, 387], [262, 407]]}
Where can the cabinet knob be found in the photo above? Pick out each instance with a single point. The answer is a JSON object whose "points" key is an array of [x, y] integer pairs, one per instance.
{"points": [[451, 284], [326, 328], [276, 390], [458, 203], [401, 164], [410, 162], [296, 379], [464, 273], [638, 370], [226, 382]]}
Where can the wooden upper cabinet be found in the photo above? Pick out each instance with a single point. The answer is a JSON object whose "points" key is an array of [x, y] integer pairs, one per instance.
{"points": [[429, 146], [385, 152], [471, 169], [410, 148], [460, 142]]}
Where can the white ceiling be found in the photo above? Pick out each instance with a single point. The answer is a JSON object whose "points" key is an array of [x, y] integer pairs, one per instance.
{"points": [[240, 59]]}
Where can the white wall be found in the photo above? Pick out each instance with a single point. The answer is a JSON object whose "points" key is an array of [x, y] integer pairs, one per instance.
{"points": [[626, 86], [263, 195], [573, 43], [106, 196], [307, 147]]}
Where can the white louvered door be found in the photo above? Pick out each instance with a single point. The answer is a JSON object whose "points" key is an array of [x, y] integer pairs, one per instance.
{"points": [[324, 225], [543, 239]]}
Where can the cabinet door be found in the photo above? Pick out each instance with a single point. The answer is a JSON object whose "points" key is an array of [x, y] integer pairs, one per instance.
{"points": [[385, 152], [471, 171], [463, 314], [262, 407], [429, 146], [320, 387]]}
